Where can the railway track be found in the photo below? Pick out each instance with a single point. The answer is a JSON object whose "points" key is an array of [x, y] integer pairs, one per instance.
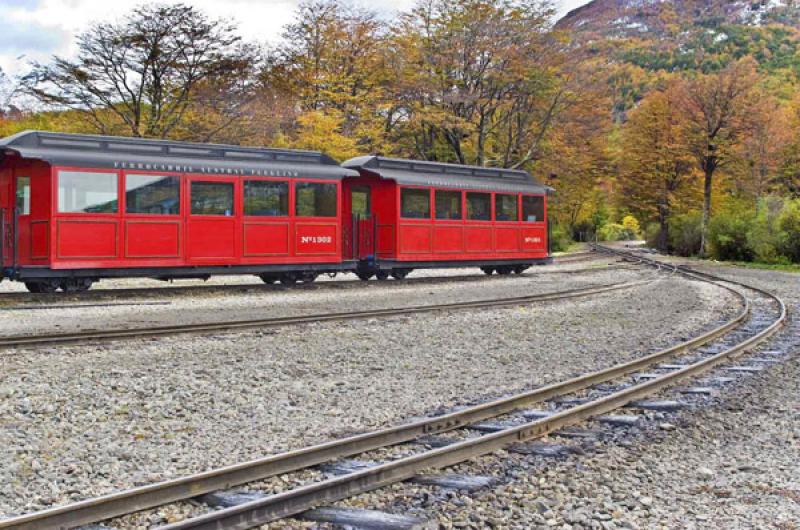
{"points": [[560, 405], [55, 339], [7, 299]]}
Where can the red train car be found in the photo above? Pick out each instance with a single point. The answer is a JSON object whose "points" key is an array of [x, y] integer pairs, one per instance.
{"points": [[76, 208], [426, 214]]}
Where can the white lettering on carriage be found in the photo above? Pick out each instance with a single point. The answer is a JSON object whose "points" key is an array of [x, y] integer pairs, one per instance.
{"points": [[316, 239], [533, 239]]}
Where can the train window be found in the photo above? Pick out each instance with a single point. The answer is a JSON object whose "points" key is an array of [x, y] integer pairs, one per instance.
{"points": [[415, 203], [448, 204], [87, 192], [314, 199], [479, 206], [152, 194], [532, 208], [24, 195], [212, 198], [266, 197], [505, 207]]}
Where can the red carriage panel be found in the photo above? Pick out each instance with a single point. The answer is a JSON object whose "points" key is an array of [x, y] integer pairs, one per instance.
{"points": [[534, 238], [415, 239], [507, 238], [211, 239], [266, 239], [317, 239], [479, 238], [86, 239], [448, 239], [152, 239], [40, 240]]}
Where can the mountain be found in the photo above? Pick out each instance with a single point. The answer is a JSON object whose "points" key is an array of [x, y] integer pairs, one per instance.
{"points": [[621, 19]]}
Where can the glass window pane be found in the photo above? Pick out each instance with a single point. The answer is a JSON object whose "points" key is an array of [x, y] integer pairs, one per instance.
{"points": [[212, 198], [448, 204], [532, 209], [24, 195], [360, 202], [152, 194], [505, 208], [415, 203], [315, 199], [265, 197], [80, 191], [479, 206]]}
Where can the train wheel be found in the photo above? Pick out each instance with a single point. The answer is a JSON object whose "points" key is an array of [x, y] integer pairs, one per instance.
{"points": [[269, 279], [400, 274], [488, 271], [76, 285], [364, 276], [308, 277], [32, 287], [382, 275], [288, 279], [504, 270], [519, 269], [43, 286]]}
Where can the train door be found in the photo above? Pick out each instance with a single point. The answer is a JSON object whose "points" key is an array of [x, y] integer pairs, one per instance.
{"points": [[6, 219], [360, 238], [211, 225]]}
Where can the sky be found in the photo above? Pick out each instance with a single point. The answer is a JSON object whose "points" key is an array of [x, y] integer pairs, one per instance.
{"points": [[35, 30]]}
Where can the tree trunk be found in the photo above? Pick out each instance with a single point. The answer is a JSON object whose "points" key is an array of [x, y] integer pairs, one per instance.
{"points": [[708, 169]]}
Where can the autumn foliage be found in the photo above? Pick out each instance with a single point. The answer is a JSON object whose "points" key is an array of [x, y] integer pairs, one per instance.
{"points": [[699, 154]]}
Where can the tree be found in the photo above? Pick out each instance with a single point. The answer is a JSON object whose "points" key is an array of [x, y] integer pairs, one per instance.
{"points": [[140, 76], [476, 81], [657, 163], [332, 60], [718, 108]]}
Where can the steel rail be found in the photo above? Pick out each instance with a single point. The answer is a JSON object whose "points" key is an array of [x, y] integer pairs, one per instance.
{"points": [[150, 496], [181, 290], [112, 334], [297, 500]]}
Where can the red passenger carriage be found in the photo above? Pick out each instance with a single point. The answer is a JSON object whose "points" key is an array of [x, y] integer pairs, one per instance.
{"points": [[77, 208]]}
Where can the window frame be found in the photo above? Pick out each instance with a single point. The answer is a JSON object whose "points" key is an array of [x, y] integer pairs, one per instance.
{"points": [[289, 196], [461, 208], [517, 202], [293, 199], [56, 179], [182, 194], [23, 210], [522, 208], [233, 182], [466, 206], [400, 203]]}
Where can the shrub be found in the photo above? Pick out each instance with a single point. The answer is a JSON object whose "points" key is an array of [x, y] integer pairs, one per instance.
{"points": [[651, 234], [789, 231], [615, 232], [727, 236], [764, 236], [559, 239], [631, 224], [685, 233]]}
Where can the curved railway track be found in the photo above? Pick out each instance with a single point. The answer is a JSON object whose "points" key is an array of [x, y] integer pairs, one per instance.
{"points": [[123, 293], [55, 339], [761, 316]]}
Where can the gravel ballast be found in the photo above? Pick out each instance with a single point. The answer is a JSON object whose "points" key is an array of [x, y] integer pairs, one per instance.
{"points": [[87, 420], [729, 461]]}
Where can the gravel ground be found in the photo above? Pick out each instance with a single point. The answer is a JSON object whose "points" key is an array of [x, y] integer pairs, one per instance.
{"points": [[730, 461], [85, 420], [279, 301]]}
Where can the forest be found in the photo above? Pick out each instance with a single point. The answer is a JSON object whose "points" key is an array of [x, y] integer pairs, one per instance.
{"points": [[687, 137]]}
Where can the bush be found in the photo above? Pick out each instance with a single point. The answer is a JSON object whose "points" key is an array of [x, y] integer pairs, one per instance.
{"points": [[615, 232], [764, 236], [559, 239], [685, 233], [789, 231], [632, 224], [727, 236]]}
